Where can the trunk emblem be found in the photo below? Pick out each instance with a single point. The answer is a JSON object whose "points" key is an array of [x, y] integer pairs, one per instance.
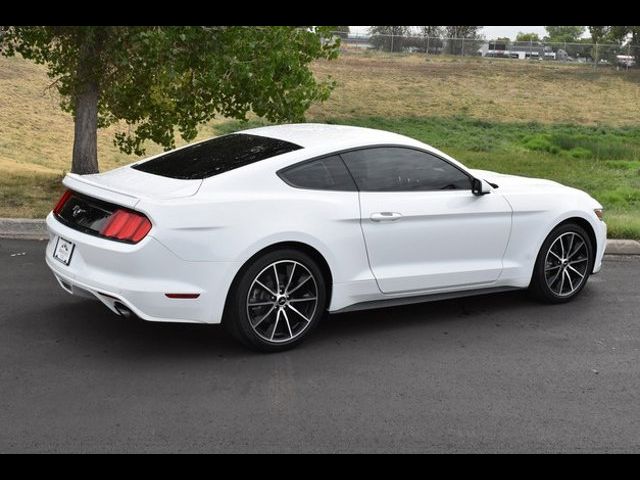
{"points": [[77, 210]]}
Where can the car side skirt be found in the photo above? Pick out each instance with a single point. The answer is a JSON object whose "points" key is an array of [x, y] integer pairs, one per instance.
{"points": [[434, 297]]}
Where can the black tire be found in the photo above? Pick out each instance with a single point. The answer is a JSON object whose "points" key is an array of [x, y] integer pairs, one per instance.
{"points": [[250, 323], [549, 267]]}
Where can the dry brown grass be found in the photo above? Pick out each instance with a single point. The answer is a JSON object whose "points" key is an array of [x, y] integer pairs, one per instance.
{"points": [[35, 134], [376, 84]]}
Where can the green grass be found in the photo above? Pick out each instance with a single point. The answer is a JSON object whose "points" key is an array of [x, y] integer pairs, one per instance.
{"points": [[607, 166]]}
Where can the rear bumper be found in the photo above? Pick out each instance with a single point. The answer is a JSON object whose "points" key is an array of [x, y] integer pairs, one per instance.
{"points": [[138, 276]]}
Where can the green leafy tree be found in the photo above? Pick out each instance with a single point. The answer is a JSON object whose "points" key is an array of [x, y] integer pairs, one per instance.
{"points": [[461, 33], [527, 37], [388, 38], [431, 31], [431, 40], [561, 34], [161, 80], [619, 33], [625, 34], [598, 33], [628, 37]]}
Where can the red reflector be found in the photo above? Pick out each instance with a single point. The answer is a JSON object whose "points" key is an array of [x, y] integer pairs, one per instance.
{"points": [[126, 225], [63, 199], [182, 295]]}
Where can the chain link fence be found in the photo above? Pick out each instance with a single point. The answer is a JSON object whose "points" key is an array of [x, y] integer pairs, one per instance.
{"points": [[596, 55]]}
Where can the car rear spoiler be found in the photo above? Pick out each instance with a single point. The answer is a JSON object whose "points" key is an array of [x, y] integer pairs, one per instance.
{"points": [[84, 184]]}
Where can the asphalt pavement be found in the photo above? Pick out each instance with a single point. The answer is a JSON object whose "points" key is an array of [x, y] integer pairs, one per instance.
{"points": [[496, 373]]}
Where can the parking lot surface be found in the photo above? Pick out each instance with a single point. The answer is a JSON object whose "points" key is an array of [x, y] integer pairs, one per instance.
{"points": [[496, 373]]}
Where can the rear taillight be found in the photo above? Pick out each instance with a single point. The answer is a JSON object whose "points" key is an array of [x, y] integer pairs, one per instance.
{"points": [[126, 225], [63, 199]]}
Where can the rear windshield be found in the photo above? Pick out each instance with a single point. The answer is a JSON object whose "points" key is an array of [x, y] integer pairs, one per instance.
{"points": [[218, 155]]}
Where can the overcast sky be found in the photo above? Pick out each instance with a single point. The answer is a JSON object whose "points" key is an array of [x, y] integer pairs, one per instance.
{"points": [[489, 32]]}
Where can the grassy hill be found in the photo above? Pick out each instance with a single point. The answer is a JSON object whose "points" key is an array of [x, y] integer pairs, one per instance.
{"points": [[565, 122]]}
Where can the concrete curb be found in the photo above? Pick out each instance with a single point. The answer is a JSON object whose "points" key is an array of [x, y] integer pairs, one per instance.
{"points": [[623, 247], [23, 228], [30, 229]]}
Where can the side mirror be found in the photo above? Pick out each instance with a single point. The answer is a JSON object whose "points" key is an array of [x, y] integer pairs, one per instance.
{"points": [[480, 187]]}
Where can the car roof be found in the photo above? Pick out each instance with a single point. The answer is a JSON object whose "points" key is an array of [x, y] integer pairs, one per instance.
{"points": [[320, 135]]}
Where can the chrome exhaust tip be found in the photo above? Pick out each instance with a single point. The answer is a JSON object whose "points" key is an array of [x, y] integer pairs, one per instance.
{"points": [[123, 310]]}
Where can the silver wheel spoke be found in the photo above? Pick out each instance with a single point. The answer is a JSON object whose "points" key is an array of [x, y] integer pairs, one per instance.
{"points": [[255, 325], [554, 254], [302, 299], [548, 269], [286, 289], [260, 304], [298, 312], [577, 249], [275, 271], [286, 319], [569, 278], [573, 262], [555, 279], [266, 288], [275, 325], [300, 284], [576, 271], [561, 283], [570, 244]]}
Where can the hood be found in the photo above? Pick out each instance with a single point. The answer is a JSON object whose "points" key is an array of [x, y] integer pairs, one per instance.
{"points": [[514, 182]]}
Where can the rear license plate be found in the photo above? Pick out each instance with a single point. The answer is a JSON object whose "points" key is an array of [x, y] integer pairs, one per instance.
{"points": [[63, 251]]}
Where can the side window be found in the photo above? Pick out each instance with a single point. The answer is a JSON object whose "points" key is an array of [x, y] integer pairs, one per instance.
{"points": [[327, 173], [396, 169]]}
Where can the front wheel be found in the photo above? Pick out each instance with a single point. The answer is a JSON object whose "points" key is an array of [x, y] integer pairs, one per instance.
{"points": [[563, 264], [277, 301]]}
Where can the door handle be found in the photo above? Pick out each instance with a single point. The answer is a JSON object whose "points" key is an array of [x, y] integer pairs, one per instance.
{"points": [[385, 216]]}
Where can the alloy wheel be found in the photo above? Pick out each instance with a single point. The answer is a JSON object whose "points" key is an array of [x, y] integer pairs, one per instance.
{"points": [[282, 301], [566, 264]]}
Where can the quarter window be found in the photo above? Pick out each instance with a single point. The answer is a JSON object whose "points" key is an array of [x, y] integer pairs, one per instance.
{"points": [[327, 173], [394, 169]]}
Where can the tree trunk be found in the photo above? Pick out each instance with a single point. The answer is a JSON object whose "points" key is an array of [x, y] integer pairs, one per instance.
{"points": [[85, 140]]}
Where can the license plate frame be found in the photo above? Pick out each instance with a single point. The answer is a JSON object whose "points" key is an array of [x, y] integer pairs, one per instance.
{"points": [[63, 250]]}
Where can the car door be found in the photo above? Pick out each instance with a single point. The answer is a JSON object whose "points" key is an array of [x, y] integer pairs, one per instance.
{"points": [[423, 227]]}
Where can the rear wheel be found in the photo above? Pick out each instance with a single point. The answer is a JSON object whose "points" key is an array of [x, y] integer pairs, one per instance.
{"points": [[277, 301], [563, 265]]}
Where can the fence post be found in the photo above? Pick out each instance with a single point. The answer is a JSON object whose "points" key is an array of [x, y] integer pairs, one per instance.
{"points": [[427, 44], [462, 47], [595, 60], [391, 41]]}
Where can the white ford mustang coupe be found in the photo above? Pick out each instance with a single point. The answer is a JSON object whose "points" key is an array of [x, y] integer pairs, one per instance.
{"points": [[267, 229]]}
